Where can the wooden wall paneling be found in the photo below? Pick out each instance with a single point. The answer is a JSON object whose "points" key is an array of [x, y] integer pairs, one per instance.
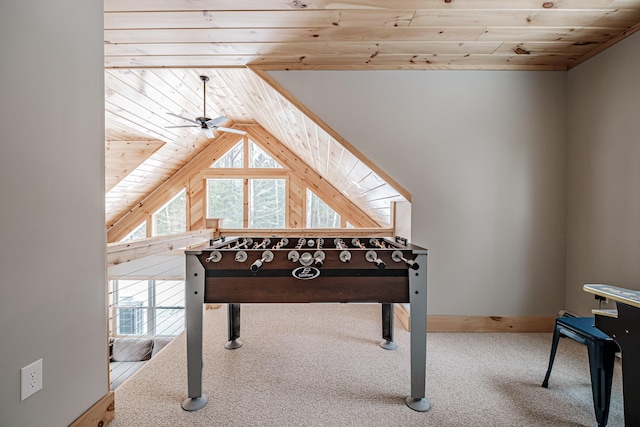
{"points": [[297, 202], [197, 208], [170, 187], [245, 157], [149, 226], [123, 157], [187, 208]]}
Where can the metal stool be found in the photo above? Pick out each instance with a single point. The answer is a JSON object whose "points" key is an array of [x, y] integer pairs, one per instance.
{"points": [[602, 351]]}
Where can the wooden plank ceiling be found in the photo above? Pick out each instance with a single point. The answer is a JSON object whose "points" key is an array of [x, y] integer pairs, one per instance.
{"points": [[155, 51], [364, 34]]}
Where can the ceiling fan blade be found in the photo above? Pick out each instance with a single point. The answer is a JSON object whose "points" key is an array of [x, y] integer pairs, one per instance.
{"points": [[183, 118], [241, 132], [186, 126], [207, 132], [213, 122]]}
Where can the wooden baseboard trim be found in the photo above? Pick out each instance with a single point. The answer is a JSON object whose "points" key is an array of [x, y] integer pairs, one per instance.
{"points": [[99, 415], [522, 324]]}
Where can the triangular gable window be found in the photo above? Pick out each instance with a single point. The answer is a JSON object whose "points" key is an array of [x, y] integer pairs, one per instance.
{"points": [[320, 214], [234, 158], [258, 158], [138, 233]]}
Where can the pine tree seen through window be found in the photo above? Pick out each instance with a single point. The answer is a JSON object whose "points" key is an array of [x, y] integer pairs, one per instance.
{"points": [[172, 217], [225, 200], [320, 214]]}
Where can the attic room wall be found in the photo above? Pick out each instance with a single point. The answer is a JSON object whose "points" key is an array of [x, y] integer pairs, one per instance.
{"points": [[52, 258], [483, 156], [604, 173]]}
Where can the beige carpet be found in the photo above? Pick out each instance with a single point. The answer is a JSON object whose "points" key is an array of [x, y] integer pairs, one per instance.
{"points": [[320, 365]]}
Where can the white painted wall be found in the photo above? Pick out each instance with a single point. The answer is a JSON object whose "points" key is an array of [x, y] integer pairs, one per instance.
{"points": [[52, 238], [483, 155], [604, 173]]}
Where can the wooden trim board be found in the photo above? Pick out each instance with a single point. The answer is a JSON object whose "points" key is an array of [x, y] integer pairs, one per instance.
{"points": [[521, 324], [99, 415], [120, 252], [307, 232]]}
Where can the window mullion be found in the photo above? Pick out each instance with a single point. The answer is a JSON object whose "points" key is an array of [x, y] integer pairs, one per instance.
{"points": [[245, 203]]}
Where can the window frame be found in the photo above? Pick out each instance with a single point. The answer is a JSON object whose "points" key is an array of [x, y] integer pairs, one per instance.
{"points": [[154, 227], [246, 175]]}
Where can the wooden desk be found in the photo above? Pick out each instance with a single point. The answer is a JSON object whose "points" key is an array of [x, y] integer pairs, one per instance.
{"points": [[623, 326]]}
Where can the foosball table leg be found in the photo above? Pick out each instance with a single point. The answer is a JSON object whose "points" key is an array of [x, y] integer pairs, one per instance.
{"points": [[233, 320], [387, 327], [418, 324], [194, 300]]}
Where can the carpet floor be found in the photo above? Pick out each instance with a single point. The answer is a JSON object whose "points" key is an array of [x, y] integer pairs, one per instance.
{"points": [[320, 365]]}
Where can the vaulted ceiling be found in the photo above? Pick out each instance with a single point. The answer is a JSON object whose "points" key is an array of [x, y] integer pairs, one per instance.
{"points": [[143, 151], [155, 51]]}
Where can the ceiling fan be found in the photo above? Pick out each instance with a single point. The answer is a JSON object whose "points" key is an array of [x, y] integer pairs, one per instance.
{"points": [[205, 123]]}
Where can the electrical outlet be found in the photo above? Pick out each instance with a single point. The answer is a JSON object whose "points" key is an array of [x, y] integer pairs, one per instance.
{"points": [[30, 379]]}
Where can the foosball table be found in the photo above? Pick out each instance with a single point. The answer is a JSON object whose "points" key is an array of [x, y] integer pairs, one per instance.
{"points": [[306, 270]]}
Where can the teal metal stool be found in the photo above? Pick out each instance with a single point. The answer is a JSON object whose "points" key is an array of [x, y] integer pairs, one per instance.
{"points": [[602, 352]]}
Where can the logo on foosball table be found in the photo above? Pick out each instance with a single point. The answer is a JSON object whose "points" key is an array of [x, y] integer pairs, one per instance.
{"points": [[305, 273]]}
